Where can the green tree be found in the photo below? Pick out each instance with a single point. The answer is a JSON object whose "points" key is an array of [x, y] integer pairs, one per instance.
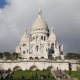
{"points": [[7, 55], [15, 55], [1, 55], [72, 56]]}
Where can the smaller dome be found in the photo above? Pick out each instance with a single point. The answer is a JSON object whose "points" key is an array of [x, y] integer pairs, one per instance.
{"points": [[52, 36], [25, 36]]}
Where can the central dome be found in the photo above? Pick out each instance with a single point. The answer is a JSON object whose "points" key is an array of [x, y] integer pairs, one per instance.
{"points": [[39, 23]]}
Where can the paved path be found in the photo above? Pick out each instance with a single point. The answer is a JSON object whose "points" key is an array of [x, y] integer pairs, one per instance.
{"points": [[59, 75], [6, 74]]}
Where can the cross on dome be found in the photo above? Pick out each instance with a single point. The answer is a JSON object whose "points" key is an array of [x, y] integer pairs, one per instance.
{"points": [[25, 30], [52, 30], [40, 13]]}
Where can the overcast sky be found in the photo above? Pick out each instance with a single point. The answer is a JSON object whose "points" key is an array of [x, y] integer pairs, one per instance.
{"points": [[63, 15]]}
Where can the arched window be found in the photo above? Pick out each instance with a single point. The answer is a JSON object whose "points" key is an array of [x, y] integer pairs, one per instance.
{"points": [[24, 45], [37, 48], [24, 52], [42, 57], [42, 37], [36, 58], [30, 58], [52, 45], [56, 44]]}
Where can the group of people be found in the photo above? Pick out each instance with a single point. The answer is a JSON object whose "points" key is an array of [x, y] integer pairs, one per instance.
{"points": [[21, 77], [41, 76], [44, 76], [34, 76], [9, 76], [61, 74], [4, 72]]}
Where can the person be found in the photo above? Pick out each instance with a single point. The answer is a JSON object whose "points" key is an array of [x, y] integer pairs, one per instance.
{"points": [[32, 76], [19, 77], [0, 76], [22, 77], [48, 76], [36, 75], [41, 76]]}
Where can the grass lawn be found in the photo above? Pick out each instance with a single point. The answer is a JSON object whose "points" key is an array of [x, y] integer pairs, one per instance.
{"points": [[27, 75], [74, 74]]}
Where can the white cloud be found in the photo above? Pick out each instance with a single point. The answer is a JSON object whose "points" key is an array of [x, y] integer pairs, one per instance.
{"points": [[64, 15]]}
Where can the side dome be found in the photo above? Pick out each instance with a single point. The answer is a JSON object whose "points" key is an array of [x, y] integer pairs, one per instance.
{"points": [[39, 24], [25, 37], [52, 36]]}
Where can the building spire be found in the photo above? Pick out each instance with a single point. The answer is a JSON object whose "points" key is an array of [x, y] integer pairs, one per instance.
{"points": [[52, 30], [40, 13], [25, 30]]}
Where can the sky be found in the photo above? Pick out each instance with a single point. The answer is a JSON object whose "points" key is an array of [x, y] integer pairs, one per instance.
{"points": [[2, 3], [63, 15]]}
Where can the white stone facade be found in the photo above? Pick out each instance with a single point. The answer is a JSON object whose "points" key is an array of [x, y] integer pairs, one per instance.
{"points": [[40, 44]]}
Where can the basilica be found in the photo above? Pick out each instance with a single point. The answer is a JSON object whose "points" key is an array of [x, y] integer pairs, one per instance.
{"points": [[37, 49], [40, 44]]}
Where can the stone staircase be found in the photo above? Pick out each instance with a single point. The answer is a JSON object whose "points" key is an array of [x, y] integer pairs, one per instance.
{"points": [[59, 75], [6, 74]]}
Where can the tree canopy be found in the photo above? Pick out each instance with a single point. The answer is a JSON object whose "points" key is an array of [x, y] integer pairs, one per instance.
{"points": [[7, 55], [72, 56], [15, 55], [1, 55]]}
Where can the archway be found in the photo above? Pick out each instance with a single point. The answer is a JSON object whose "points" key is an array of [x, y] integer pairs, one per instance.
{"points": [[36, 58], [50, 68], [31, 58], [33, 68], [17, 68], [42, 57]]}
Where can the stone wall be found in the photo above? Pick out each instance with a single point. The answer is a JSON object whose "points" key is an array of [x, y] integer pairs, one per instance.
{"points": [[34, 64]]}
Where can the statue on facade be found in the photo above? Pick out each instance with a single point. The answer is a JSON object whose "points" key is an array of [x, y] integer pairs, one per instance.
{"points": [[61, 49]]}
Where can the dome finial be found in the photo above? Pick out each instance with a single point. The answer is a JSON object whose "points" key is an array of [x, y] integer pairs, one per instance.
{"points": [[52, 30], [25, 30], [40, 13]]}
